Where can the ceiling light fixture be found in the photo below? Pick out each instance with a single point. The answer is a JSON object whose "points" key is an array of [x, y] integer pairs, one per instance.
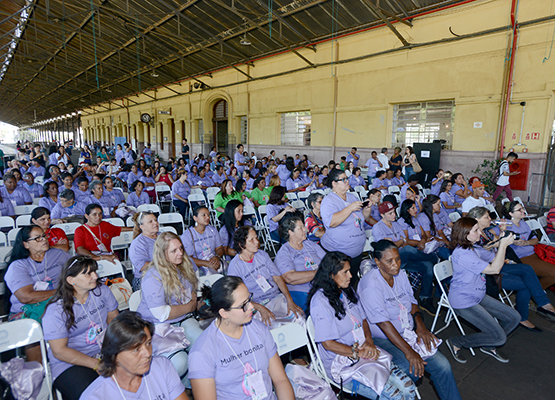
{"points": [[244, 41], [154, 74]]}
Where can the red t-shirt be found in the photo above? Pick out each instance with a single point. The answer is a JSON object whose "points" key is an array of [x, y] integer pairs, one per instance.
{"points": [[56, 234], [550, 218], [104, 232]]}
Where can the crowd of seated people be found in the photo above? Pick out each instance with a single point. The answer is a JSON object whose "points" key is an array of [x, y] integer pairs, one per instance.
{"points": [[315, 270]]}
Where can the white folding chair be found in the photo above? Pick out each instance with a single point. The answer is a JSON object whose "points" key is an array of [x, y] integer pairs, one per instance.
{"points": [[534, 225], [171, 218], [149, 207], [36, 201], [7, 222], [3, 239], [163, 190], [196, 191], [23, 210], [208, 280], [168, 229], [23, 220], [213, 190], [196, 198], [394, 189], [442, 271], [115, 221], [107, 268], [24, 332], [250, 212], [68, 228], [289, 337], [4, 251], [211, 196], [505, 297], [134, 301], [426, 192], [362, 193], [491, 209], [454, 216], [11, 235], [129, 223], [298, 204], [267, 238], [291, 196], [303, 195]]}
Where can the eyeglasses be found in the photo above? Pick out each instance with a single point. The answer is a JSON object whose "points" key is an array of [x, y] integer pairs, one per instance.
{"points": [[521, 210], [40, 238], [79, 259], [344, 180], [245, 305]]}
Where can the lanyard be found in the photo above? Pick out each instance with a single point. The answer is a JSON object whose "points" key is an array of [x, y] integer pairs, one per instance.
{"points": [[250, 346], [34, 264], [347, 309], [93, 235], [121, 392], [89, 317]]}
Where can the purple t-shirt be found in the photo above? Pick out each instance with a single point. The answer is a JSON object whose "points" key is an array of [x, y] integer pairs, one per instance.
{"points": [[375, 213], [202, 247], [80, 195], [26, 272], [115, 197], [382, 231], [148, 179], [45, 202], [468, 285], [218, 179], [441, 219], [373, 166], [105, 202], [89, 317], [224, 237], [455, 189], [436, 188], [162, 382], [227, 360], [355, 181], [136, 201], [447, 198], [35, 190], [349, 236], [60, 211], [260, 267], [132, 178], [283, 172], [383, 303], [37, 171], [6, 208], [239, 158], [140, 252], [398, 181], [291, 183], [328, 327], [352, 158], [525, 231], [307, 259], [404, 192], [181, 189], [20, 196], [271, 211], [152, 295]]}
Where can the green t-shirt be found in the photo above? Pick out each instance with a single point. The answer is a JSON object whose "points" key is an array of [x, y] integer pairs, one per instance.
{"points": [[261, 196], [219, 201]]}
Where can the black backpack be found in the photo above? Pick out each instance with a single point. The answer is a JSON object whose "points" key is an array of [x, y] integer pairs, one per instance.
{"points": [[497, 173], [133, 154]]}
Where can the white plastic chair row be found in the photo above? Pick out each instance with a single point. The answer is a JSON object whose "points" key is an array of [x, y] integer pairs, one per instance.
{"points": [[23, 210]]}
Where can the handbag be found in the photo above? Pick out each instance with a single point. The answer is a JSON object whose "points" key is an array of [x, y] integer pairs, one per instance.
{"points": [[416, 167], [412, 339], [35, 310], [122, 291], [307, 385], [24, 378], [371, 373], [168, 339]]}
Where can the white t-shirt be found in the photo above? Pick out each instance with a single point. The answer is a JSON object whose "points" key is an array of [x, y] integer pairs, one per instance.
{"points": [[503, 180], [385, 162], [471, 202]]}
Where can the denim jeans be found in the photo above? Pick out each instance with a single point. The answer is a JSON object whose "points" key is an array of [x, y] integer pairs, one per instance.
{"points": [[398, 387], [493, 334], [408, 172], [182, 207], [415, 260], [444, 253], [437, 366], [522, 279]]}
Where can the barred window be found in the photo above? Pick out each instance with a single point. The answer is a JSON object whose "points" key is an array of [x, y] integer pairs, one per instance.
{"points": [[423, 123], [244, 130], [295, 128]]}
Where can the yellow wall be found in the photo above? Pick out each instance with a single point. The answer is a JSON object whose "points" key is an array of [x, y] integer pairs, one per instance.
{"points": [[470, 71]]}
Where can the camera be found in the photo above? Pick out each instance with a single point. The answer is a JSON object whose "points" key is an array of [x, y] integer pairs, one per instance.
{"points": [[507, 233]]}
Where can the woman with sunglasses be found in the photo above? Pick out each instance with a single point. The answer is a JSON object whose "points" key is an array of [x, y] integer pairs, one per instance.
{"points": [[145, 232], [524, 246], [343, 215], [75, 316], [215, 370], [32, 276], [271, 295], [57, 238]]}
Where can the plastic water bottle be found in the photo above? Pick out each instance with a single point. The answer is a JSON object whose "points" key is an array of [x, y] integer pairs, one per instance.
{"points": [[499, 222]]}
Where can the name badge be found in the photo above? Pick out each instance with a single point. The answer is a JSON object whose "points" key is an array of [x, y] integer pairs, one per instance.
{"points": [[255, 384], [106, 210], [40, 286], [404, 316], [358, 334], [263, 283], [416, 237], [14, 203]]}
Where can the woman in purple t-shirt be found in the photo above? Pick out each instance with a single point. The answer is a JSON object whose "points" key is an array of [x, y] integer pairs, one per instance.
{"points": [[524, 247], [341, 331], [80, 310], [216, 371], [467, 293], [276, 209]]}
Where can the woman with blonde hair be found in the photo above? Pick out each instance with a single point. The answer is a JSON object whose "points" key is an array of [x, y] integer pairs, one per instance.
{"points": [[145, 232], [168, 291]]}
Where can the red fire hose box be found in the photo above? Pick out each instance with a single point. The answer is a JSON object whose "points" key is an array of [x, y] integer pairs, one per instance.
{"points": [[520, 181]]}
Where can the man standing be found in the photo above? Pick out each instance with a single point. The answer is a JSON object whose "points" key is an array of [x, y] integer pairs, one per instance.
{"points": [[353, 156], [239, 159], [474, 200], [185, 151], [384, 161], [373, 165], [504, 173]]}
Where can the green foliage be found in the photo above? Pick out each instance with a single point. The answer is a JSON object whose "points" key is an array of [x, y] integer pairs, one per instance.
{"points": [[485, 172]]}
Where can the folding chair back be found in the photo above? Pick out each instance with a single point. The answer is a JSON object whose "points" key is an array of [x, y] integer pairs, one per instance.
{"points": [[3, 239], [107, 268], [491, 209], [7, 222], [23, 220], [24, 210], [115, 221], [534, 225], [11, 236], [303, 195], [454, 216], [212, 190], [168, 229], [289, 337], [171, 218], [149, 207], [135, 300], [68, 228], [291, 196], [208, 280], [394, 189], [298, 204]]}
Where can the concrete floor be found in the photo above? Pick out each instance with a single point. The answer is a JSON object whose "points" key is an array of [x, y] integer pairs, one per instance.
{"points": [[528, 375]]}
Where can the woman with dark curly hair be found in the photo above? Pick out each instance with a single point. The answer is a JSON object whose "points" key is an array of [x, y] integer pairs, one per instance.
{"points": [[77, 314], [342, 331], [128, 370]]}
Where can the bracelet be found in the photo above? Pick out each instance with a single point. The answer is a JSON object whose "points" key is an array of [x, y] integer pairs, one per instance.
{"points": [[417, 313], [354, 349], [97, 365]]}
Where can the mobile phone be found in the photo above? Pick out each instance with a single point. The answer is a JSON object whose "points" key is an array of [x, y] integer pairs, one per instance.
{"points": [[365, 203]]}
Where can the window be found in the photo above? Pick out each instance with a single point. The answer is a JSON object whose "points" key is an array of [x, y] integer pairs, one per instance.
{"points": [[423, 123], [201, 131], [295, 128], [244, 130]]}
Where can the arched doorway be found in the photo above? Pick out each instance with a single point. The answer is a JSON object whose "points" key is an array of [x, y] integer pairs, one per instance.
{"points": [[220, 126]]}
